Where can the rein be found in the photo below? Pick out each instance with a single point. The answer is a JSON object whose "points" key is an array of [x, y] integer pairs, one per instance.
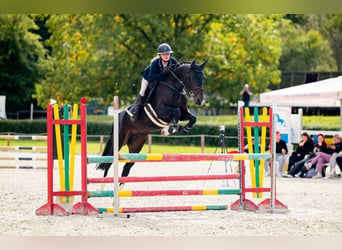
{"points": [[190, 90]]}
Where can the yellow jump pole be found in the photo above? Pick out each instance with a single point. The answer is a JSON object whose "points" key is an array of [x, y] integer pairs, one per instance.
{"points": [[73, 149], [250, 147], [59, 152]]}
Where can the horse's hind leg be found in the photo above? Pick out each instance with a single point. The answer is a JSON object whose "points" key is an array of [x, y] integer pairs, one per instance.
{"points": [[135, 144], [107, 151]]}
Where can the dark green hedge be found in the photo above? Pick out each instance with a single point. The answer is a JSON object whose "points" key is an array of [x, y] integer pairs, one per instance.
{"points": [[104, 128], [23, 126]]}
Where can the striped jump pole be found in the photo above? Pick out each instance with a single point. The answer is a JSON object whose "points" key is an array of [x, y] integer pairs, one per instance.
{"points": [[141, 193], [23, 158], [165, 178], [164, 209], [24, 137], [22, 167], [21, 148], [17, 162], [21, 162], [136, 157]]}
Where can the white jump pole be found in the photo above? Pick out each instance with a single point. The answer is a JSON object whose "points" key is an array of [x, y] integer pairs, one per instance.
{"points": [[116, 155]]}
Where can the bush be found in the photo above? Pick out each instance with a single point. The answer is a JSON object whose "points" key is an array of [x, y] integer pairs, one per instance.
{"points": [[105, 128], [23, 126]]}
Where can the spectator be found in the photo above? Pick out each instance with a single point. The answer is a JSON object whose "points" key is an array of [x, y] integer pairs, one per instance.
{"points": [[321, 158], [305, 148], [281, 152], [246, 95], [337, 152], [299, 169]]}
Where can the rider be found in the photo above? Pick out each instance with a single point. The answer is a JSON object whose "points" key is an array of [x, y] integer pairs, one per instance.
{"points": [[154, 72]]}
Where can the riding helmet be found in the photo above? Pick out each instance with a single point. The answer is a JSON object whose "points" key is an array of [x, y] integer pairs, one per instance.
{"points": [[164, 48]]}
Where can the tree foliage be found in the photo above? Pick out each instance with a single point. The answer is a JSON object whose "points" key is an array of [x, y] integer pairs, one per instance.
{"points": [[242, 49], [103, 55], [312, 43], [22, 60], [332, 29], [306, 52], [83, 59], [95, 55]]}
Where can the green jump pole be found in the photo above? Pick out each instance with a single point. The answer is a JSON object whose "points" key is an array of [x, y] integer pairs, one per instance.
{"points": [[66, 150], [256, 149]]}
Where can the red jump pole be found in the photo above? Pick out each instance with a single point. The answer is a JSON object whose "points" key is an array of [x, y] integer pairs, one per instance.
{"points": [[83, 207], [165, 178], [50, 208], [272, 204]]}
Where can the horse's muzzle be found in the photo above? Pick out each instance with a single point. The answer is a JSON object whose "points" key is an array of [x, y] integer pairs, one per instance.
{"points": [[198, 100]]}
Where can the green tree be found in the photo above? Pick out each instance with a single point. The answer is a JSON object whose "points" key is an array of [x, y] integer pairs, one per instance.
{"points": [[305, 51], [305, 30], [103, 55], [332, 30], [242, 49], [80, 54], [23, 60]]}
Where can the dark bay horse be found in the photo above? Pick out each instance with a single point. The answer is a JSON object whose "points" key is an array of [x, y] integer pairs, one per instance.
{"points": [[167, 104]]}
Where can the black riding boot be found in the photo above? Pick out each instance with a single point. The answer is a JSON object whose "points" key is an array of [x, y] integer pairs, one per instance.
{"points": [[136, 107]]}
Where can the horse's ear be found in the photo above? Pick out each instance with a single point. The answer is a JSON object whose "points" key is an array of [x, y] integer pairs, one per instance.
{"points": [[193, 64], [203, 64]]}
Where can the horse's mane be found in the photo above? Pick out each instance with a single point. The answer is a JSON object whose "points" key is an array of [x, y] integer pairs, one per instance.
{"points": [[177, 65]]}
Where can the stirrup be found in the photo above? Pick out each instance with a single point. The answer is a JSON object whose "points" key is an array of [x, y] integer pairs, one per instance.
{"points": [[133, 112]]}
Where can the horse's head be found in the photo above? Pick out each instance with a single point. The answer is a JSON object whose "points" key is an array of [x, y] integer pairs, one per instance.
{"points": [[193, 78], [195, 82]]}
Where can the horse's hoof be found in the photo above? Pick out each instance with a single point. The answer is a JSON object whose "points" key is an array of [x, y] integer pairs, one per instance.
{"points": [[164, 132], [172, 130], [185, 129]]}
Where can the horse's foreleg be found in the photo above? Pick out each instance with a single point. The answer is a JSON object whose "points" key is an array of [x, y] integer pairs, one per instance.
{"points": [[187, 115], [173, 128]]}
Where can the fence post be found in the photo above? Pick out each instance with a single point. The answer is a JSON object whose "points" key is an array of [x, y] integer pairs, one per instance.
{"points": [[8, 140], [202, 143], [101, 143], [150, 143]]}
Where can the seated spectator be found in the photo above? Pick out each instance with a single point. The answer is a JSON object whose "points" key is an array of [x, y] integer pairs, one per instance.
{"points": [[336, 147], [300, 168], [320, 159], [245, 149], [281, 152], [305, 147]]}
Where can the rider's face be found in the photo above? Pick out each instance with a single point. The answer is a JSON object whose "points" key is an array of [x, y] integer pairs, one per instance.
{"points": [[165, 57]]}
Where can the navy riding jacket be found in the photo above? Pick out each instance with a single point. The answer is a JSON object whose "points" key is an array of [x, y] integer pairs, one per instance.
{"points": [[154, 71]]}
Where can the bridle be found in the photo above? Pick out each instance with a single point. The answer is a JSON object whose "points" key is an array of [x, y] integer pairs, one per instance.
{"points": [[190, 90]]}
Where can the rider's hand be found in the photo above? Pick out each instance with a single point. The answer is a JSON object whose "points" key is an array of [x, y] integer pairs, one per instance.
{"points": [[166, 70]]}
